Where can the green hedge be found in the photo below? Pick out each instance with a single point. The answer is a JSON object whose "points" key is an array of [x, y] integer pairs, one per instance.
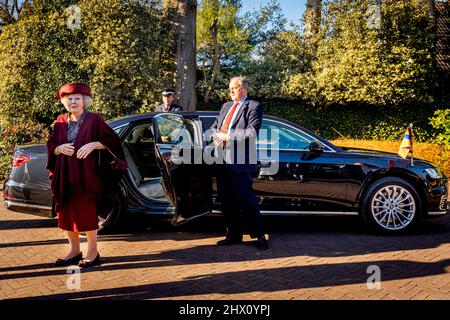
{"points": [[353, 121], [441, 121]]}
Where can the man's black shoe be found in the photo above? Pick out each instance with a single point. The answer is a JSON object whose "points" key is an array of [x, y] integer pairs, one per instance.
{"points": [[262, 243], [228, 241], [253, 235]]}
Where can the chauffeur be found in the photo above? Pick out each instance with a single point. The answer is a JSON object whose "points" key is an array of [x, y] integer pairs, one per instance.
{"points": [[168, 96]]}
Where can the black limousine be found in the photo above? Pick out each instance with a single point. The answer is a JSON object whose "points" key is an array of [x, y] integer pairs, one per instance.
{"points": [[299, 173]]}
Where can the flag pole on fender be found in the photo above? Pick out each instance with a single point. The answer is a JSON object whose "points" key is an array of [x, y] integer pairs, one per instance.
{"points": [[412, 154]]}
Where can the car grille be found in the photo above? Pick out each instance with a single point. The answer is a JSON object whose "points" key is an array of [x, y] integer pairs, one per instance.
{"points": [[443, 204]]}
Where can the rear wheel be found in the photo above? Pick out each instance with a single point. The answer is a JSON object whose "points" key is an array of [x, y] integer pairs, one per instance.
{"points": [[109, 212], [391, 205]]}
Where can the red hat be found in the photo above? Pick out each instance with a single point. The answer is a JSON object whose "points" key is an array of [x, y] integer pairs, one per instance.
{"points": [[74, 87]]}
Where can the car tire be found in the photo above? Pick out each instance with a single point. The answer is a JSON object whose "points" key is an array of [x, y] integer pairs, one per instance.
{"points": [[109, 213], [391, 205]]}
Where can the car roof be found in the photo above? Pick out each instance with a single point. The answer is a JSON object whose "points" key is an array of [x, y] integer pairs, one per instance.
{"points": [[137, 117]]}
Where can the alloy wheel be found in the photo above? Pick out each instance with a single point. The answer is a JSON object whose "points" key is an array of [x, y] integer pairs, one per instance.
{"points": [[393, 207]]}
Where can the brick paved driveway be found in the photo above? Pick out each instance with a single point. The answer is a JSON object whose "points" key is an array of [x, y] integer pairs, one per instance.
{"points": [[309, 258]]}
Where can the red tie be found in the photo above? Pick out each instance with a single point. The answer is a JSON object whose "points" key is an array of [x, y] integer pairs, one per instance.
{"points": [[227, 121]]}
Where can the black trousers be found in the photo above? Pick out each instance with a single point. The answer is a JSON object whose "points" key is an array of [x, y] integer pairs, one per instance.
{"points": [[236, 193]]}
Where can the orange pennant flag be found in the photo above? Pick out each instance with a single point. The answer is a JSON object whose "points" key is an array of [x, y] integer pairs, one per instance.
{"points": [[406, 145]]}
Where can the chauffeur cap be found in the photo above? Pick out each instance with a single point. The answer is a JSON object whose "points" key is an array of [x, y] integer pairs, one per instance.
{"points": [[74, 87], [168, 92]]}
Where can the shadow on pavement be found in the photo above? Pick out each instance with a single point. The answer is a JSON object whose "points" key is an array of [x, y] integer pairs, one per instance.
{"points": [[266, 280], [282, 245], [28, 224]]}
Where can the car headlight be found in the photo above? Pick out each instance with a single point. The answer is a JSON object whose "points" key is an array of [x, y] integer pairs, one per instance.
{"points": [[434, 173]]}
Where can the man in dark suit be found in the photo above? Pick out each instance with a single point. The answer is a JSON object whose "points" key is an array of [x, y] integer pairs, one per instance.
{"points": [[168, 96], [235, 132]]}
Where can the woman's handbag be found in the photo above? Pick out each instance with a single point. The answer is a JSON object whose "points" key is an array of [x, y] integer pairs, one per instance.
{"points": [[117, 165], [112, 171]]}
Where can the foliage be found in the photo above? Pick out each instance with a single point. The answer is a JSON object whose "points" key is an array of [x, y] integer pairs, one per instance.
{"points": [[15, 134], [423, 150], [118, 51], [441, 122], [222, 40], [281, 56], [352, 121], [37, 54], [277, 52], [11, 10], [125, 43], [357, 121], [264, 25], [242, 42], [358, 63]]}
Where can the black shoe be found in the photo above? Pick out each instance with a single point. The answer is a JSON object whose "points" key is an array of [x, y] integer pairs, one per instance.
{"points": [[86, 264], [228, 241], [262, 243], [253, 235], [69, 262]]}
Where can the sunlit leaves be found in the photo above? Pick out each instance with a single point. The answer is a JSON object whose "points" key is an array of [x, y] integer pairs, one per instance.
{"points": [[358, 64], [119, 51], [441, 121]]}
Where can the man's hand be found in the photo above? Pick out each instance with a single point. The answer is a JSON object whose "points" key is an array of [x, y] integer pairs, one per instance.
{"points": [[66, 149], [85, 150], [223, 136], [220, 138]]}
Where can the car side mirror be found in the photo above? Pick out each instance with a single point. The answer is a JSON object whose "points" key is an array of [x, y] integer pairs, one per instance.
{"points": [[315, 147]]}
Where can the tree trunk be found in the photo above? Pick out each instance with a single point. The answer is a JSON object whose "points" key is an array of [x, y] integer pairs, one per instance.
{"points": [[216, 61], [10, 11], [430, 4], [184, 15], [312, 19]]}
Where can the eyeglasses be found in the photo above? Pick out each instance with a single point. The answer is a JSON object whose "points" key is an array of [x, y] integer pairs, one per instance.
{"points": [[71, 99]]}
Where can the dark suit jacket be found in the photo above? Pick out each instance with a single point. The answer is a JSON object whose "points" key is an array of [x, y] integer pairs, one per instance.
{"points": [[172, 108], [245, 129]]}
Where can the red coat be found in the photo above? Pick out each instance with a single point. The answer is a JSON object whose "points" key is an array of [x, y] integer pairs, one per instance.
{"points": [[70, 175]]}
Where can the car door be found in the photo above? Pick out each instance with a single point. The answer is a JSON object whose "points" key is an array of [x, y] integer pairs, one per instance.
{"points": [[186, 180], [309, 177]]}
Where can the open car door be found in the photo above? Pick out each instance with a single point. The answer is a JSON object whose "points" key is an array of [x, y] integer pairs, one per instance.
{"points": [[186, 180]]}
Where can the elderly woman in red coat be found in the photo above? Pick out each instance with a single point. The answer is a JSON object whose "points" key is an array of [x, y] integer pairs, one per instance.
{"points": [[78, 139]]}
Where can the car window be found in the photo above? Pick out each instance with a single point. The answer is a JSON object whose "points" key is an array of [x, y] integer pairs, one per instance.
{"points": [[275, 135], [173, 129], [207, 122], [119, 130], [140, 133]]}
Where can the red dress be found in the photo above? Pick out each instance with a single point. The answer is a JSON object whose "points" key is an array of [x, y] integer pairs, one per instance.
{"points": [[78, 185], [79, 213]]}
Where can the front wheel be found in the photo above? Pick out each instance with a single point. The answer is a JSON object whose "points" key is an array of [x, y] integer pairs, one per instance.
{"points": [[391, 205]]}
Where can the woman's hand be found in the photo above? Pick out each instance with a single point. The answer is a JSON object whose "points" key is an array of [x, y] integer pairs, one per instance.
{"points": [[66, 149], [85, 150]]}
